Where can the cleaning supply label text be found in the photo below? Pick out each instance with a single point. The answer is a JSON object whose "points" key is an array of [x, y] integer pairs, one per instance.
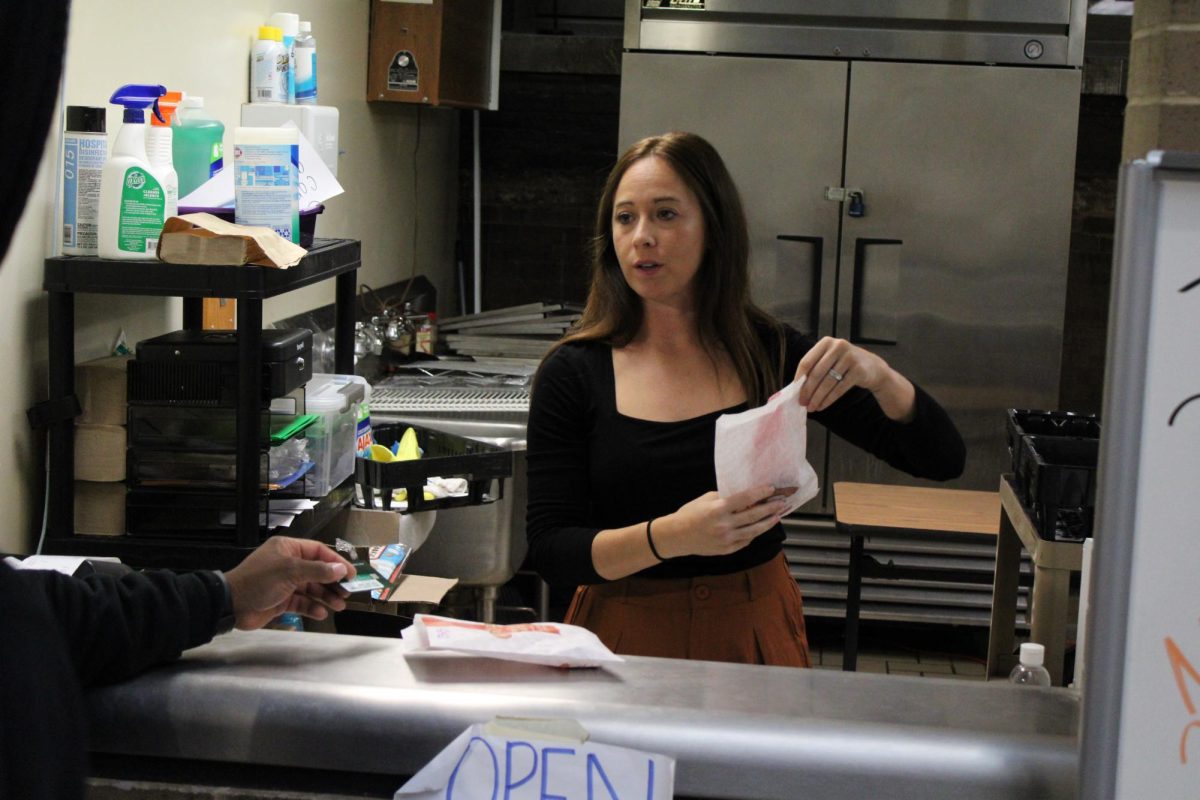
{"points": [[142, 205]]}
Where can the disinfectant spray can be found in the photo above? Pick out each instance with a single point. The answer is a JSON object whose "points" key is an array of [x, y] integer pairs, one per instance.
{"points": [[85, 148]]}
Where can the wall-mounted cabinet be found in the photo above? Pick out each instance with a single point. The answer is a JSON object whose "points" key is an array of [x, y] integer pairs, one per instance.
{"points": [[439, 53]]}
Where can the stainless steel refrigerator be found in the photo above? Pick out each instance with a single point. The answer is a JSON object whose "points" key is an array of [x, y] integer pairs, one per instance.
{"points": [[907, 169]]}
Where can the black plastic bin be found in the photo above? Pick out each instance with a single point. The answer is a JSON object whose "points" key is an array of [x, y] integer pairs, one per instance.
{"points": [[444, 455], [1059, 479], [1026, 422]]}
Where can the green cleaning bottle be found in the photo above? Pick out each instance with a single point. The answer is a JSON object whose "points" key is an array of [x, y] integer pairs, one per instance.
{"points": [[132, 201], [198, 145]]}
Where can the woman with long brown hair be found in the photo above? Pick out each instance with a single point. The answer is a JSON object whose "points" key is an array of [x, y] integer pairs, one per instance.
{"points": [[622, 486]]}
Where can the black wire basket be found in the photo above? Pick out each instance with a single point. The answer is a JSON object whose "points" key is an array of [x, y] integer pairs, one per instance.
{"points": [[444, 455]]}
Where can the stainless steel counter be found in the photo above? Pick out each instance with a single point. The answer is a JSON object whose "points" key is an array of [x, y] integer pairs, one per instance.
{"points": [[364, 704]]}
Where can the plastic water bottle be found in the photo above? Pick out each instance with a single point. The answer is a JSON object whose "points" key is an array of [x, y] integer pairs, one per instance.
{"points": [[197, 145], [306, 65], [289, 28], [1030, 671]]}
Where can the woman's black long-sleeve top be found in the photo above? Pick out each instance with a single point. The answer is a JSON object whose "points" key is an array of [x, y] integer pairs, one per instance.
{"points": [[591, 468]]}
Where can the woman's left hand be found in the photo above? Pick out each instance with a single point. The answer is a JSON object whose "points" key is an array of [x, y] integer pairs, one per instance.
{"points": [[835, 365]]}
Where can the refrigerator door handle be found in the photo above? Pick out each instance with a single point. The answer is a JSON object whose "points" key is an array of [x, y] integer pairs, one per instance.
{"points": [[818, 255], [873, 302]]}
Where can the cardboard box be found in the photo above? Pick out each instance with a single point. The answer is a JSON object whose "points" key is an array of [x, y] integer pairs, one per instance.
{"points": [[100, 387], [203, 238], [99, 508], [363, 527], [100, 453]]}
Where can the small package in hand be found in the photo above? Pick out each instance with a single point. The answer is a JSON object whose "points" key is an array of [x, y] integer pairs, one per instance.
{"points": [[549, 643], [379, 568], [766, 446]]}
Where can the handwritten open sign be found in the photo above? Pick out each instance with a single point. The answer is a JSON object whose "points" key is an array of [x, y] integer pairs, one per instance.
{"points": [[514, 763]]}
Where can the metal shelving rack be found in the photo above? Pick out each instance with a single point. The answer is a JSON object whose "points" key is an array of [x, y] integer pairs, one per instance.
{"points": [[66, 276]]}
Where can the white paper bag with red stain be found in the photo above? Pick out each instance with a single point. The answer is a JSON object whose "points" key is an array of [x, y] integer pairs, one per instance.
{"points": [[554, 644], [766, 446]]}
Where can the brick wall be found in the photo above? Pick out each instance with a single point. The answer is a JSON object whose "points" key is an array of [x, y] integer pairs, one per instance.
{"points": [[1164, 78]]}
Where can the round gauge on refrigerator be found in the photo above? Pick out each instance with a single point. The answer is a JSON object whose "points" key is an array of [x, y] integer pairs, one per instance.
{"points": [[1034, 49]]}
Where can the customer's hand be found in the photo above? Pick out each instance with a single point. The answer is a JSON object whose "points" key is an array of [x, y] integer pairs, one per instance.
{"points": [[285, 574], [712, 525]]}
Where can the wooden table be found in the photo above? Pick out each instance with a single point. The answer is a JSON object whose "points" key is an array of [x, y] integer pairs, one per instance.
{"points": [[1053, 563], [863, 509]]}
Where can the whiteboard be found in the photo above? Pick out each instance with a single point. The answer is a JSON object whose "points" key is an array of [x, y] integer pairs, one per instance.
{"points": [[1149, 525]]}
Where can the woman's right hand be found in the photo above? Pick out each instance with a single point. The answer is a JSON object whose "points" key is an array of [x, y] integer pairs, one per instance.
{"points": [[712, 525]]}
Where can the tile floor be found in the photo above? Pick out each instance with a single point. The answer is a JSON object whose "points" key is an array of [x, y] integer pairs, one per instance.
{"points": [[944, 652]]}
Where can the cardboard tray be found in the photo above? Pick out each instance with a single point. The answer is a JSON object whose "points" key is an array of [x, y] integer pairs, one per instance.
{"points": [[444, 455]]}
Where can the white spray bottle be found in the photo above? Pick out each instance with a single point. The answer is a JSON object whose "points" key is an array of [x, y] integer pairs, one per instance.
{"points": [[132, 201], [159, 148]]}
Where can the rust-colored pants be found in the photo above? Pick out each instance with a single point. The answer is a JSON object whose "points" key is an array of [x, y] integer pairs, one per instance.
{"points": [[751, 617]]}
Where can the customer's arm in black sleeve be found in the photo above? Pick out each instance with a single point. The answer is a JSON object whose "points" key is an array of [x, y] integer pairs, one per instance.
{"points": [[116, 627]]}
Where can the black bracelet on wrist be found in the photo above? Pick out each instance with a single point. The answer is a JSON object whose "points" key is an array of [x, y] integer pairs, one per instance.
{"points": [[650, 541]]}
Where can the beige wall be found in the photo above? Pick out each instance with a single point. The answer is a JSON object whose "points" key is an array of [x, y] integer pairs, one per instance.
{"points": [[202, 47]]}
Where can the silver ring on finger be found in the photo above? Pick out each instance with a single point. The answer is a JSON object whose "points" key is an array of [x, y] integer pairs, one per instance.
{"points": [[837, 376]]}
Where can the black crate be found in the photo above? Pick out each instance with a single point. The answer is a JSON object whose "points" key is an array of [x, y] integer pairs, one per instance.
{"points": [[1023, 422], [444, 455], [1058, 474]]}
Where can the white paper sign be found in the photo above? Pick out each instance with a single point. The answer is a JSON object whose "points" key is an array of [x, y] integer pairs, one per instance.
{"points": [[316, 184], [64, 564], [481, 764]]}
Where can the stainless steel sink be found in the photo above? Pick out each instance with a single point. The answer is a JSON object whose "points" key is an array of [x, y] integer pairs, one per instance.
{"points": [[500, 432], [481, 546]]}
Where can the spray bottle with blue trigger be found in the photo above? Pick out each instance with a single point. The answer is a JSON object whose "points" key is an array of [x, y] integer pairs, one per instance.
{"points": [[132, 200]]}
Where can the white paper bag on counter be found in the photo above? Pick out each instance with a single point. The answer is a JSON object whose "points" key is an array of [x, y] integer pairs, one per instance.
{"points": [[534, 759], [766, 446], [549, 643]]}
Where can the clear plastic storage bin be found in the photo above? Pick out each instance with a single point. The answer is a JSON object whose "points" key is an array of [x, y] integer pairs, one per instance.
{"points": [[336, 399]]}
